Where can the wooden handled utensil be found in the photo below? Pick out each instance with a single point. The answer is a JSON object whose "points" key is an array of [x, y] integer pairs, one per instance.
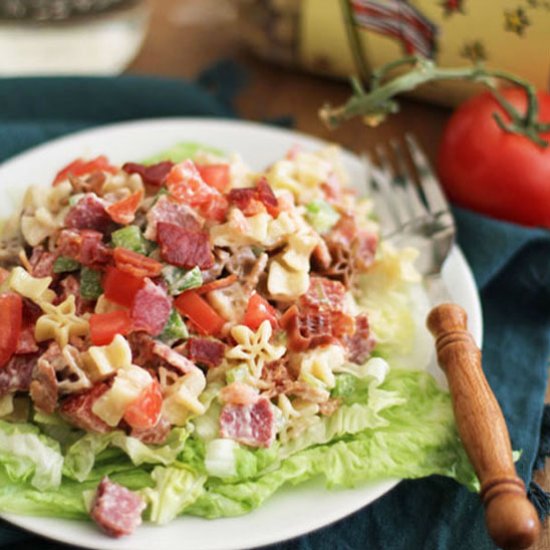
{"points": [[511, 519]]}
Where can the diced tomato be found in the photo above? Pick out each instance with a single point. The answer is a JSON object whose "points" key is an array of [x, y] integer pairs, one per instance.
{"points": [[4, 274], [81, 167], [217, 284], [105, 326], [215, 175], [200, 312], [136, 264], [124, 211], [121, 287], [144, 412], [258, 311], [11, 318], [185, 185]]}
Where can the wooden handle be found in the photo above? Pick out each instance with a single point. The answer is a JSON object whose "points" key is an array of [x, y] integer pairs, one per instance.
{"points": [[511, 519]]}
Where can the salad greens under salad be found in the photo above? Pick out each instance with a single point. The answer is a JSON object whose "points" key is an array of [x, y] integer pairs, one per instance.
{"points": [[187, 336]]}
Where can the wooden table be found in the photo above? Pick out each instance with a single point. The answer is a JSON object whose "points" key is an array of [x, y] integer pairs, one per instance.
{"points": [[186, 36]]}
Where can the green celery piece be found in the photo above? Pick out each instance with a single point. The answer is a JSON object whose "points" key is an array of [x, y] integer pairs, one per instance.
{"points": [[131, 238], [174, 329], [237, 374], [90, 284], [183, 151], [321, 215], [179, 280], [64, 264]]}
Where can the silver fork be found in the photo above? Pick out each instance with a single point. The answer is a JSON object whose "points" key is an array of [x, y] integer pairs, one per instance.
{"points": [[419, 215], [411, 214]]}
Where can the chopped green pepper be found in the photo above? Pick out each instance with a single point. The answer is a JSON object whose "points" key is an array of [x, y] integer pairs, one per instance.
{"points": [[64, 264], [179, 280], [90, 284], [174, 329]]}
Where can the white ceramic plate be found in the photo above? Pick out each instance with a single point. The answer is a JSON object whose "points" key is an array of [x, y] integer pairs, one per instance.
{"points": [[290, 512]]}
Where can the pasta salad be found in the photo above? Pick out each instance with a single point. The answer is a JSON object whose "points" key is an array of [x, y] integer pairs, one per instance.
{"points": [[186, 336]]}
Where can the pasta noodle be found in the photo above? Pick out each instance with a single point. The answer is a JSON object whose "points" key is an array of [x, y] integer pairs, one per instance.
{"points": [[33, 288]]}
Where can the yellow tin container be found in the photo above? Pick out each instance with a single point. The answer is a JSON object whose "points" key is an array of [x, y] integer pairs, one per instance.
{"points": [[510, 35]]}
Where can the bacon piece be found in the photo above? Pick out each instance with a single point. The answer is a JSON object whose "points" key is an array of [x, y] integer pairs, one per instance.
{"points": [[77, 409], [41, 262], [154, 175], [267, 197], [173, 357], [43, 388], [183, 247], [310, 328], [276, 378], [324, 294], [321, 257], [115, 509], [328, 408], [151, 308], [253, 200], [153, 436], [16, 375], [217, 284], [361, 343], [85, 246], [91, 183], [142, 344], [168, 211], [88, 213], [252, 425], [205, 351]]}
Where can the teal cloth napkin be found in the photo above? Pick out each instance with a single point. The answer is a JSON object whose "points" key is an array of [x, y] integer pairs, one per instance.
{"points": [[511, 265]]}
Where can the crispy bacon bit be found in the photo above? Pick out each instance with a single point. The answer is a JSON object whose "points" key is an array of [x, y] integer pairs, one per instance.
{"points": [[151, 308], [77, 409], [142, 345], [276, 378], [267, 197], [115, 509], [183, 247], [85, 246], [309, 328], [252, 425], [323, 294], [154, 175], [154, 436], [205, 351], [173, 357], [361, 343], [217, 284], [16, 375], [27, 342], [88, 213], [168, 211], [41, 262], [43, 389], [253, 200]]}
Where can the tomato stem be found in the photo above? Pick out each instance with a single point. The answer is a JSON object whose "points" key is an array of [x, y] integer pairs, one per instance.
{"points": [[375, 105]]}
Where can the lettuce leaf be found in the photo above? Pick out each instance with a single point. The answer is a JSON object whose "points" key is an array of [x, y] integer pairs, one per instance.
{"points": [[104, 449], [26, 454], [175, 489], [419, 439]]}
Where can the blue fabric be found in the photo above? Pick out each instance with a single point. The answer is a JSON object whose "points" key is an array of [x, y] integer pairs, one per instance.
{"points": [[511, 266]]}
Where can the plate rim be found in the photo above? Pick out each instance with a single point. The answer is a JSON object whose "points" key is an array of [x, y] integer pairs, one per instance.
{"points": [[26, 522]]}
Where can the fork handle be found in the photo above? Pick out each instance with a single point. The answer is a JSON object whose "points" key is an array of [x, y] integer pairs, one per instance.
{"points": [[511, 519]]}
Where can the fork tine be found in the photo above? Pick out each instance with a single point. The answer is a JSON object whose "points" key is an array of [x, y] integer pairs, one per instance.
{"points": [[435, 198], [416, 207], [378, 188], [395, 195]]}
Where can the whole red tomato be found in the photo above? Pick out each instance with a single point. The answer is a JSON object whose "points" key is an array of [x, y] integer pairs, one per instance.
{"points": [[484, 168]]}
